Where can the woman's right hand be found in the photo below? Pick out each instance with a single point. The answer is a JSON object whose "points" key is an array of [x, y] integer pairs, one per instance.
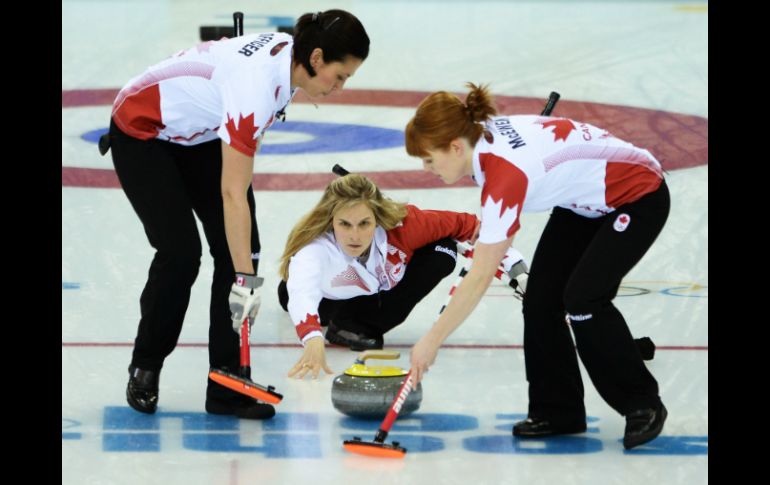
{"points": [[313, 360]]}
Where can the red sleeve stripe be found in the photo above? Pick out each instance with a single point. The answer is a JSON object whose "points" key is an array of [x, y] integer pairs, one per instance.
{"points": [[308, 325], [627, 183], [139, 115]]}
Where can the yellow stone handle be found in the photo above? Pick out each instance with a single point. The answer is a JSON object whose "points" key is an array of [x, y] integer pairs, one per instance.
{"points": [[378, 354]]}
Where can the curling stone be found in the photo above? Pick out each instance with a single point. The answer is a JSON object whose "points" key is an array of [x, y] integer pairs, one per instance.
{"points": [[367, 391]]}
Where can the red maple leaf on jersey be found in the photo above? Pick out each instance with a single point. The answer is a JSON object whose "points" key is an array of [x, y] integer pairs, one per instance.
{"points": [[505, 182], [308, 325], [562, 128], [242, 136], [502, 196]]}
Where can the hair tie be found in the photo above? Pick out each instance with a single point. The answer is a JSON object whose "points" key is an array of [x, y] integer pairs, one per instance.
{"points": [[331, 23]]}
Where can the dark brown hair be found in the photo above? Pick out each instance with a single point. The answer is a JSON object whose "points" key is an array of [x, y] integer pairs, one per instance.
{"points": [[338, 33]]}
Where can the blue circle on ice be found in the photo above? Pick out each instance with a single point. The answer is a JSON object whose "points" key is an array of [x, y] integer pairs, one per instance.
{"points": [[326, 138]]}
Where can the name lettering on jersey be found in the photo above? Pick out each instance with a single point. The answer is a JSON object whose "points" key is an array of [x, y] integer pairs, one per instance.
{"points": [[257, 44], [503, 126]]}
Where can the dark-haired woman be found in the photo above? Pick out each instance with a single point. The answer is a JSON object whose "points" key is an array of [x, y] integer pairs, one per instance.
{"points": [[184, 135]]}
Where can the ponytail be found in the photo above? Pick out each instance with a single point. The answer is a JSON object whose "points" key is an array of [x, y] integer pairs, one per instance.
{"points": [[442, 117]]}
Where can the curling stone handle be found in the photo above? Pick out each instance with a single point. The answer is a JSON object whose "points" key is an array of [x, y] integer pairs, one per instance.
{"points": [[378, 354]]}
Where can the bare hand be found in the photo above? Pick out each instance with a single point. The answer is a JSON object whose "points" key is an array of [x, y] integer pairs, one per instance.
{"points": [[313, 360], [423, 355]]}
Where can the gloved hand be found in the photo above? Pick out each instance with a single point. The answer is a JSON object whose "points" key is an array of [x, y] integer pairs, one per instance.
{"points": [[519, 273], [244, 299]]}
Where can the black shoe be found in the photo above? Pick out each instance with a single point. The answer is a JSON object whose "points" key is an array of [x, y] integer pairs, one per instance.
{"points": [[646, 347], [142, 390], [535, 427], [241, 406], [224, 401], [356, 341], [643, 425]]}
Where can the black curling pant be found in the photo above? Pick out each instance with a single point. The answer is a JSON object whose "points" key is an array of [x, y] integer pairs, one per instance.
{"points": [[577, 269], [374, 315], [168, 185]]}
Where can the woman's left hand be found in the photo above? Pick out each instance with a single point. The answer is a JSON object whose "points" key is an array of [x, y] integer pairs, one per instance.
{"points": [[313, 360]]}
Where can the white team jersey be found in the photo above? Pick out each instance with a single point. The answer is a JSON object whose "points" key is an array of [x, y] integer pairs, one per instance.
{"points": [[230, 88], [323, 270], [534, 163]]}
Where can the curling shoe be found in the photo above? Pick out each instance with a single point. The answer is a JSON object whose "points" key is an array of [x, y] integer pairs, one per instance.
{"points": [[243, 407], [223, 401], [536, 427], [355, 341], [142, 390], [644, 425]]}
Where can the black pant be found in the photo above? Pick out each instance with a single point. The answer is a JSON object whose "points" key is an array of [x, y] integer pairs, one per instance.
{"points": [[577, 269], [166, 184], [374, 315]]}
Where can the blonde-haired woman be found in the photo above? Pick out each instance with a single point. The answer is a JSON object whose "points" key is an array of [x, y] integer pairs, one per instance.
{"points": [[609, 203], [360, 262]]}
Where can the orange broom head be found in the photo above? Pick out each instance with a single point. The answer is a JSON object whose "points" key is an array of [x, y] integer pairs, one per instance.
{"points": [[377, 450], [245, 386]]}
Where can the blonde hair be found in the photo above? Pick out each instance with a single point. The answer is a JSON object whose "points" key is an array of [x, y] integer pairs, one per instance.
{"points": [[342, 193], [442, 117]]}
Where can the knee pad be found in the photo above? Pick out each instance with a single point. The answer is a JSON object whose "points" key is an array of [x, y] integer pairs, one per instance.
{"points": [[579, 304], [447, 246], [572, 318]]}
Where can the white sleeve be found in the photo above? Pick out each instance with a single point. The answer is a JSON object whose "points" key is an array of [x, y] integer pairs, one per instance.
{"points": [[304, 288], [246, 111]]}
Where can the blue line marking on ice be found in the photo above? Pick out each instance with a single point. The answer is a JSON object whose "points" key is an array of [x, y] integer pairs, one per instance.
{"points": [[327, 138]]}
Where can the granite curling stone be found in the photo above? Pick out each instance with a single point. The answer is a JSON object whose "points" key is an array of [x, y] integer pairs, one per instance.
{"points": [[367, 391]]}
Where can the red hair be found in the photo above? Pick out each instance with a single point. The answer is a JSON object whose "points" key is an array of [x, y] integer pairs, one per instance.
{"points": [[442, 117]]}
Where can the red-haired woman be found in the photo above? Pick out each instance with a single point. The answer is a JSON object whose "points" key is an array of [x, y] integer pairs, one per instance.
{"points": [[608, 203]]}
